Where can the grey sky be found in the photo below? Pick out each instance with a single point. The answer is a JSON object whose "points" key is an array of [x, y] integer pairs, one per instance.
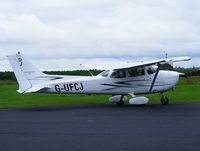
{"points": [[79, 30]]}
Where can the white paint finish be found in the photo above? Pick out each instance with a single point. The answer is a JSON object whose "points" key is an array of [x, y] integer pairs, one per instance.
{"points": [[127, 80], [100, 85], [139, 100]]}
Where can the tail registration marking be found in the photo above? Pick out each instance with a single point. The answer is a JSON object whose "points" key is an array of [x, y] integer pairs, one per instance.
{"points": [[69, 87]]}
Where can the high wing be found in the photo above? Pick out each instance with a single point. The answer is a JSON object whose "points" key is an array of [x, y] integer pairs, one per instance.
{"points": [[156, 62], [141, 64], [149, 63]]}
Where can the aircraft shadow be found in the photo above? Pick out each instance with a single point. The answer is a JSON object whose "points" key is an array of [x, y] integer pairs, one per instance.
{"points": [[152, 106]]}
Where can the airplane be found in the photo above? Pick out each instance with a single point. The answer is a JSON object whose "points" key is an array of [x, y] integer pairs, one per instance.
{"points": [[132, 79]]}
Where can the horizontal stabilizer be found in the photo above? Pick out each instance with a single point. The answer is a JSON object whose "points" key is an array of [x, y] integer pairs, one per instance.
{"points": [[36, 89]]}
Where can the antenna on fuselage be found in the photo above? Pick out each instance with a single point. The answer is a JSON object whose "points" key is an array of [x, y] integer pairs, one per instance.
{"points": [[170, 63], [166, 55], [88, 70]]}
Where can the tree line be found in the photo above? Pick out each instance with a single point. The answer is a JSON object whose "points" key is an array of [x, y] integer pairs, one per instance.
{"points": [[10, 75]]}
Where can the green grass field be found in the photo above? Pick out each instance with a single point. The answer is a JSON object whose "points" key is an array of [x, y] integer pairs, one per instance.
{"points": [[188, 90]]}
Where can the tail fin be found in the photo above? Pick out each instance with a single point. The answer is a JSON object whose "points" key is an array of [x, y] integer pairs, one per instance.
{"points": [[24, 71]]}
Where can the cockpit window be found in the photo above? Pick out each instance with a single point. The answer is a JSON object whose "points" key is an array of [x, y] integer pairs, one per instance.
{"points": [[105, 73], [118, 74], [151, 70], [135, 72]]}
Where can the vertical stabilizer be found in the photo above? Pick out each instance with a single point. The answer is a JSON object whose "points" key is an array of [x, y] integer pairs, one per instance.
{"points": [[24, 71]]}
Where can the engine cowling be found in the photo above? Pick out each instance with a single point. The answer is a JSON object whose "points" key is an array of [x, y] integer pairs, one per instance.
{"points": [[115, 99], [139, 100]]}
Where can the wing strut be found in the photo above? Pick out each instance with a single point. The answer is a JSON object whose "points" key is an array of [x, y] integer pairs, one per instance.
{"points": [[154, 79]]}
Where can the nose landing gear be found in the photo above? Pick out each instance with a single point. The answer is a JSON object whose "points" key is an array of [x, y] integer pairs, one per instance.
{"points": [[164, 100]]}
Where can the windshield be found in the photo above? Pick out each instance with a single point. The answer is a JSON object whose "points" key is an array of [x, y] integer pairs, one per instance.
{"points": [[104, 73]]}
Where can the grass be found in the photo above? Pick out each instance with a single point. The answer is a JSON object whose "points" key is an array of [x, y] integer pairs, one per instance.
{"points": [[181, 93], [187, 90], [186, 70], [10, 98]]}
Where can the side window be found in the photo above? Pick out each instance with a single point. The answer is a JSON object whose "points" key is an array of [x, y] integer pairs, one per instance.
{"points": [[118, 74], [151, 70], [136, 72], [141, 72], [132, 72]]}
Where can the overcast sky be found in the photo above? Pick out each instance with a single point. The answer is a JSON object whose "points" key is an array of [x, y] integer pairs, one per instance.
{"points": [[60, 34]]}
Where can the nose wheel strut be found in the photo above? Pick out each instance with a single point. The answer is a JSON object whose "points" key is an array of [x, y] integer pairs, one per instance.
{"points": [[164, 100]]}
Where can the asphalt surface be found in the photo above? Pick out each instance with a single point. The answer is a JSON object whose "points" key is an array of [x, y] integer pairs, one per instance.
{"points": [[101, 128]]}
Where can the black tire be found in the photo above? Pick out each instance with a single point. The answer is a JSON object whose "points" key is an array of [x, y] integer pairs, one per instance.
{"points": [[120, 103], [141, 105], [164, 101]]}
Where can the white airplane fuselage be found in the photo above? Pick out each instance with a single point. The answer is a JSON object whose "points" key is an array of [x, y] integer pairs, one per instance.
{"points": [[141, 78], [165, 80]]}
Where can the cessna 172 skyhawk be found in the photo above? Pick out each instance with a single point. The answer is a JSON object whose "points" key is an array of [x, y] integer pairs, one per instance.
{"points": [[141, 78]]}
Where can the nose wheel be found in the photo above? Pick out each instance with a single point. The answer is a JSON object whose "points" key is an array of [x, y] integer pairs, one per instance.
{"points": [[164, 100]]}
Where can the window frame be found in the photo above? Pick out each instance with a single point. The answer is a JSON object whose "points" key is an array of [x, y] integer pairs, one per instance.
{"points": [[105, 73], [118, 75], [136, 72]]}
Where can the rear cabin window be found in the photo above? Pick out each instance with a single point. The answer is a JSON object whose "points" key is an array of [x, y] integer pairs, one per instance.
{"points": [[135, 72], [118, 74]]}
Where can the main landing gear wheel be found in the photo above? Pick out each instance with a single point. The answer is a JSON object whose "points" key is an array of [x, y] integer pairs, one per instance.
{"points": [[141, 105], [164, 100], [121, 102]]}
